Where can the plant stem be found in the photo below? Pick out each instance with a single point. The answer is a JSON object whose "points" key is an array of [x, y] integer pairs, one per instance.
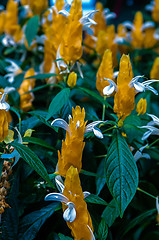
{"points": [[104, 107], [153, 143], [148, 194]]}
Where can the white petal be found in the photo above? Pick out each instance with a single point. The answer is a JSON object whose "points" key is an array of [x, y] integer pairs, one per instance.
{"points": [[108, 90], [157, 204], [90, 126], [154, 118], [119, 40], [106, 11], [59, 183], [9, 89], [79, 69], [97, 132], [64, 13], [59, 122], [149, 7], [9, 77], [86, 194], [69, 214], [110, 16], [92, 235], [4, 106], [148, 24], [60, 63], [13, 67], [78, 124], [151, 89], [59, 197], [139, 87], [128, 24], [156, 35], [146, 135], [115, 74]]}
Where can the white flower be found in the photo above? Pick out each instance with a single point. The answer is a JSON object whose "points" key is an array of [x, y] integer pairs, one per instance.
{"points": [[157, 204], [108, 90], [141, 87], [13, 68], [3, 104], [139, 154], [150, 126], [89, 128], [69, 214]]}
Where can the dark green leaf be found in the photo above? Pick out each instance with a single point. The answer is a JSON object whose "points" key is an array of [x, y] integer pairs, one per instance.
{"points": [[110, 213], [31, 223], [95, 199], [121, 172], [3, 82], [138, 220], [42, 76], [58, 102], [102, 230], [32, 159], [31, 29], [93, 94], [38, 141], [18, 80], [63, 237], [100, 181]]}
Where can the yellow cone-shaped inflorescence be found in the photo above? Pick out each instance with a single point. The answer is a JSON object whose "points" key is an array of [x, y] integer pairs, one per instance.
{"points": [[72, 79], [71, 44], [3, 125], [122, 32], [99, 18], [155, 12], [141, 106], [72, 147], [124, 100], [2, 21], [11, 20], [154, 74], [38, 6], [137, 33], [73, 191], [149, 40], [105, 71], [27, 85]]}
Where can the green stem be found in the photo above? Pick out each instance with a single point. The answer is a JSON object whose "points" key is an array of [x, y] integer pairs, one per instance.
{"points": [[104, 107], [153, 143], [109, 129], [148, 194]]}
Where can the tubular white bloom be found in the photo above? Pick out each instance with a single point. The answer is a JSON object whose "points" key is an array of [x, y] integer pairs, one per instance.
{"points": [[139, 154], [3, 104], [89, 128], [150, 7], [61, 63], [92, 235], [86, 194], [155, 120], [108, 90], [128, 25], [70, 212], [148, 24], [141, 87], [110, 15], [8, 41], [151, 130], [13, 66], [157, 204]]}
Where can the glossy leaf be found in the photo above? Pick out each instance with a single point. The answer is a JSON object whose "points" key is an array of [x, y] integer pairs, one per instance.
{"points": [[121, 172], [102, 230], [31, 29]]}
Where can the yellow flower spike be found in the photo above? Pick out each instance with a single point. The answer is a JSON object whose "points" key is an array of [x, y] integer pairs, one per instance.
{"points": [[76, 10], [37, 6], [155, 12], [3, 125], [154, 74], [72, 79], [99, 18], [59, 4], [137, 34], [124, 100], [105, 71], [11, 20], [141, 106], [122, 32], [149, 40], [2, 21], [74, 207], [72, 147], [27, 85]]}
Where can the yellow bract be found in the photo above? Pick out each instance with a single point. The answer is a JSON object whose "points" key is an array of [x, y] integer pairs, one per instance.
{"points": [[124, 100], [72, 147], [37, 6], [72, 79], [154, 74], [155, 12], [2, 21], [137, 34], [73, 192], [11, 20], [3, 125], [105, 71], [141, 106], [27, 85]]}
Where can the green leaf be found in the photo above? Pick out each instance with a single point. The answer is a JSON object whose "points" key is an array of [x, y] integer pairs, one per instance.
{"points": [[41, 115], [110, 213], [18, 80], [100, 181], [32, 159], [38, 141], [42, 76], [138, 220], [92, 94], [131, 129], [63, 237], [58, 102], [31, 29], [121, 172], [95, 199], [3, 82], [102, 230], [31, 223]]}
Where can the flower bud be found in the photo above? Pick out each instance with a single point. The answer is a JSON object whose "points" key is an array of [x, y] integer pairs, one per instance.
{"points": [[72, 79], [141, 106]]}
